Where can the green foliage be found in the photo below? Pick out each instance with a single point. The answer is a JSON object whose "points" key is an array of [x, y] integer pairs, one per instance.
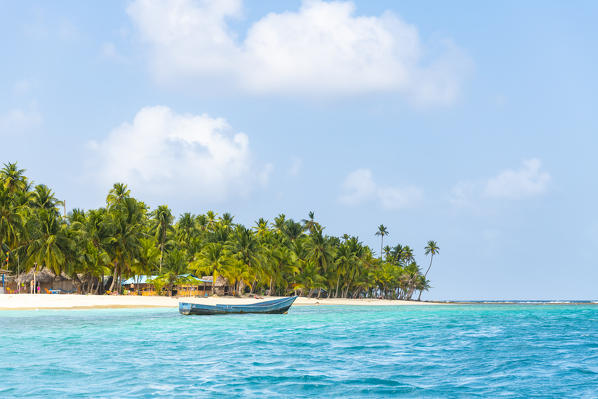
{"points": [[125, 238]]}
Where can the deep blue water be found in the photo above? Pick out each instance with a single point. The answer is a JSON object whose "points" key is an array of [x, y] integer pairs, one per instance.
{"points": [[327, 351]]}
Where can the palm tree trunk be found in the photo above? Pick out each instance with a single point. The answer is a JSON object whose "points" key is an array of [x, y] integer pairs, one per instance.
{"points": [[114, 277], [431, 259], [161, 256]]}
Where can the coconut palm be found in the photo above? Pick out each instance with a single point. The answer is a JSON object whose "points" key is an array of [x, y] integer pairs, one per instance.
{"points": [[13, 179], [161, 226], [279, 223], [185, 228], [125, 222], [310, 224], [49, 244], [11, 221], [261, 228], [43, 197], [175, 268], [211, 260], [430, 249], [382, 231], [125, 239], [226, 220], [245, 248], [117, 193]]}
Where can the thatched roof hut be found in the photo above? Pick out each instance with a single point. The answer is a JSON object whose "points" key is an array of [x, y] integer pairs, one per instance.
{"points": [[220, 281], [43, 276]]}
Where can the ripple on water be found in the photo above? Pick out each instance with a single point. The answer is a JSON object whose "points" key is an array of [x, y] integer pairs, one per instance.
{"points": [[448, 351]]}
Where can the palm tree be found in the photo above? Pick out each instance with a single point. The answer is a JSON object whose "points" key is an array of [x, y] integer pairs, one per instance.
{"points": [[49, 242], [430, 249], [293, 230], [211, 220], [176, 266], [310, 224], [43, 197], [382, 231], [11, 221], [13, 178], [162, 225], [211, 260], [226, 220], [185, 228], [245, 248], [117, 193], [261, 227], [125, 222], [279, 222]]}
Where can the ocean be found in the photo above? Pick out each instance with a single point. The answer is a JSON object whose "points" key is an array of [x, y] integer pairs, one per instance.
{"points": [[452, 351]]}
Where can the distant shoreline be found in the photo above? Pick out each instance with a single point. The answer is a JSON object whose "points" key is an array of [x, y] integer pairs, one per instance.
{"points": [[79, 302], [45, 301]]}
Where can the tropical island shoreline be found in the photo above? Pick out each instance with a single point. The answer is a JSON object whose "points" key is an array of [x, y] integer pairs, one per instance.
{"points": [[44, 301]]}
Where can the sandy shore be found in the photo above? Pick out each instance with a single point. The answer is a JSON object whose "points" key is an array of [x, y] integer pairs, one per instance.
{"points": [[44, 301]]}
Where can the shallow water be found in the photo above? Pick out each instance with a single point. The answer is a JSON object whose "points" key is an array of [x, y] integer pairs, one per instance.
{"points": [[329, 351]]}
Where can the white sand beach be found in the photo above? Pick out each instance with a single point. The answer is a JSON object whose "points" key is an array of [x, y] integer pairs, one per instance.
{"points": [[46, 301]]}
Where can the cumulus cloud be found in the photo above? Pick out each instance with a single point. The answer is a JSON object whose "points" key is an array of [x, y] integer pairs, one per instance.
{"points": [[296, 166], [322, 48], [19, 120], [528, 180], [163, 152], [359, 187], [109, 51], [512, 184]]}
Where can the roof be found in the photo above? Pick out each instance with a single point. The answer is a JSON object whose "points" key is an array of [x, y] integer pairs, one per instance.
{"points": [[147, 279], [220, 281], [138, 280], [43, 276]]}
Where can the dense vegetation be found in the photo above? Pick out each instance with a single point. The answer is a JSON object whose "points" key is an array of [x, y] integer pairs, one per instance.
{"points": [[126, 238]]}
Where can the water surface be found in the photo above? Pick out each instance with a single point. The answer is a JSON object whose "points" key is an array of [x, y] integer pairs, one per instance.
{"points": [[329, 351]]}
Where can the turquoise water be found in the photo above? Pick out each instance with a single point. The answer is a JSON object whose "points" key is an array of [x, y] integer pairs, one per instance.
{"points": [[327, 351]]}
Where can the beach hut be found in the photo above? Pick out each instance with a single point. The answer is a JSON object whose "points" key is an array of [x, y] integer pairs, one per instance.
{"points": [[189, 285], [221, 287], [141, 285], [44, 278], [3, 275]]}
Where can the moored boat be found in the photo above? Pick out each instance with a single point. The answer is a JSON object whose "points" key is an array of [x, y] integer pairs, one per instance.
{"points": [[276, 306]]}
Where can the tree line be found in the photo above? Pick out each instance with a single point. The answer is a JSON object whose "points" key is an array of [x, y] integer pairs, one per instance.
{"points": [[126, 238]]}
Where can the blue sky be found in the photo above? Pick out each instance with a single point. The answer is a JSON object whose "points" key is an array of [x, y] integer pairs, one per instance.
{"points": [[469, 123]]}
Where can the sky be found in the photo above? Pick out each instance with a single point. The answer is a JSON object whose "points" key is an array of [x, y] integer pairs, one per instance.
{"points": [[469, 123]]}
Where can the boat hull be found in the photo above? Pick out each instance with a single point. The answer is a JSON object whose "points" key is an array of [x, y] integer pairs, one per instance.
{"points": [[276, 306]]}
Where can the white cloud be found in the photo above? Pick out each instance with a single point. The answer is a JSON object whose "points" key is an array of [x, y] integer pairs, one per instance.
{"points": [[527, 181], [296, 166], [162, 152], [323, 48], [19, 119], [359, 187], [463, 193], [108, 50], [22, 87]]}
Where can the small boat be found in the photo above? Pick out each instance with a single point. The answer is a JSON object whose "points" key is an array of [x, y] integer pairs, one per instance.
{"points": [[276, 306]]}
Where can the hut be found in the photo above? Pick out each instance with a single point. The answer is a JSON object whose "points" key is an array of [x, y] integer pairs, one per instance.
{"points": [[6, 280], [141, 285], [43, 278], [220, 288]]}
